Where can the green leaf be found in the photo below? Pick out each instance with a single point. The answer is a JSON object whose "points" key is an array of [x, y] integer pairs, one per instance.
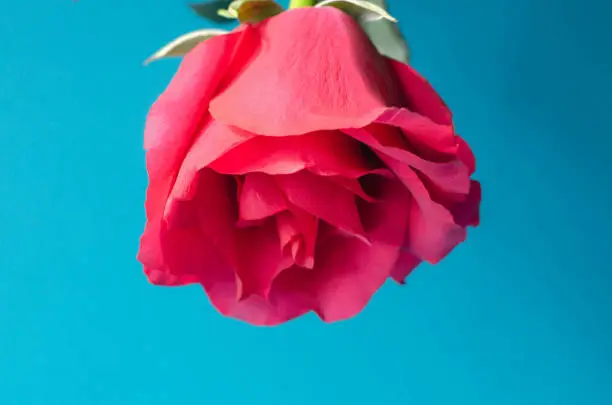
{"points": [[209, 10], [361, 10], [387, 36], [183, 44]]}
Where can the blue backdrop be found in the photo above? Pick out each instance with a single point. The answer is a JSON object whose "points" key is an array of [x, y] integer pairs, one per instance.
{"points": [[520, 314]]}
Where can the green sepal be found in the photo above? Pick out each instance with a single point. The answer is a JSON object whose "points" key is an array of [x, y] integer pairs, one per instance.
{"points": [[209, 10], [361, 10], [387, 37], [183, 44]]}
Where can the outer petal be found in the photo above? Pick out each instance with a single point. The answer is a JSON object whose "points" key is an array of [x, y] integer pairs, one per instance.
{"points": [[313, 83], [451, 176], [426, 137], [171, 126], [467, 212], [433, 232], [465, 154], [406, 262], [196, 239], [420, 96], [214, 140]]}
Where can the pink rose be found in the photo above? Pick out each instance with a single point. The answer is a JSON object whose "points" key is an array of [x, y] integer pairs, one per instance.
{"points": [[293, 168]]}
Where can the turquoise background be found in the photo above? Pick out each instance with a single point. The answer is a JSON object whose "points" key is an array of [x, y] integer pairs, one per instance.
{"points": [[520, 314]]}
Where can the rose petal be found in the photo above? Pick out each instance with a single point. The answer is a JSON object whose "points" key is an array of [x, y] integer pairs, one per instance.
{"points": [[259, 259], [171, 126], [175, 117], [179, 269], [323, 199], [419, 95], [297, 236], [406, 262], [465, 154], [215, 139], [353, 186], [288, 299], [307, 226], [325, 153], [320, 85], [260, 197], [451, 177], [467, 212], [427, 138], [347, 271], [433, 232], [194, 244]]}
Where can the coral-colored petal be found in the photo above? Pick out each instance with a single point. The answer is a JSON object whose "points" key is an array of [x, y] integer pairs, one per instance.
{"points": [[324, 199], [287, 228], [259, 259], [392, 199], [451, 177], [297, 230], [287, 300], [214, 140], [424, 136], [316, 83], [260, 197], [179, 267], [420, 96], [465, 154], [324, 152], [192, 252], [308, 225], [433, 232], [406, 262], [346, 275], [347, 271], [290, 239], [171, 126], [467, 212], [175, 117]]}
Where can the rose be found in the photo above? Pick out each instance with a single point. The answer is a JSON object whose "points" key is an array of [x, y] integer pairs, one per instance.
{"points": [[293, 168]]}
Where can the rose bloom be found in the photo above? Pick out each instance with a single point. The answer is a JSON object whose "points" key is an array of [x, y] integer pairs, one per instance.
{"points": [[293, 168]]}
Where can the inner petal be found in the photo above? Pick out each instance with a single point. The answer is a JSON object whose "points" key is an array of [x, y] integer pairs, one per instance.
{"points": [[259, 259], [451, 176], [323, 199], [260, 197], [213, 140], [297, 232], [323, 152]]}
